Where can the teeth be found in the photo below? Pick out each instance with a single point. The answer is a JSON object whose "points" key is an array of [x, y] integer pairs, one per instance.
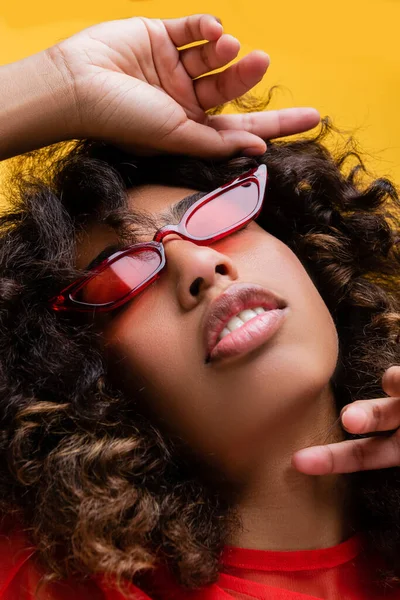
{"points": [[247, 314], [240, 319], [234, 323]]}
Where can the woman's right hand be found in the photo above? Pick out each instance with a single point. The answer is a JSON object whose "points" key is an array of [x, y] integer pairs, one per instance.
{"points": [[132, 87]]}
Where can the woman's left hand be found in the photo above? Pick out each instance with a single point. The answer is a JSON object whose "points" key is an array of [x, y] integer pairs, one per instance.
{"points": [[361, 417]]}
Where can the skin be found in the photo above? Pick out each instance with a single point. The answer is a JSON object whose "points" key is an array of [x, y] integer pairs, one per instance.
{"points": [[244, 416]]}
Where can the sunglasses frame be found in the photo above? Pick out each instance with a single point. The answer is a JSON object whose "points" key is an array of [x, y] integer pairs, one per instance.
{"points": [[64, 301]]}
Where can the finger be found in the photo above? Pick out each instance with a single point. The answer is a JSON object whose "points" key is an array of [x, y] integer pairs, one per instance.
{"points": [[235, 81], [269, 124], [199, 60], [194, 28], [391, 381], [349, 456], [366, 416], [205, 142]]}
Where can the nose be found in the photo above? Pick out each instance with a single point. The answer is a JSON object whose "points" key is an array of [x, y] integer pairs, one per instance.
{"points": [[195, 269]]}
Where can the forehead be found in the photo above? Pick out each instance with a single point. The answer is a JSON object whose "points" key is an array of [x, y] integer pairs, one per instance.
{"points": [[156, 198], [153, 199]]}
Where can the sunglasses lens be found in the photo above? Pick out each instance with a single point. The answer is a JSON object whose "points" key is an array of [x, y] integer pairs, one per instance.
{"points": [[228, 209], [120, 278]]}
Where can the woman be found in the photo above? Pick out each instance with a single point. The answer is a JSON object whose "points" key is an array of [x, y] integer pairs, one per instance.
{"points": [[160, 382]]}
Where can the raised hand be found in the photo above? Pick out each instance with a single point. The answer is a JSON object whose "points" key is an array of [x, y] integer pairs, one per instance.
{"points": [[361, 417], [133, 87]]}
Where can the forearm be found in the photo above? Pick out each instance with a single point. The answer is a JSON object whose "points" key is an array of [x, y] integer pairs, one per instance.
{"points": [[37, 106]]}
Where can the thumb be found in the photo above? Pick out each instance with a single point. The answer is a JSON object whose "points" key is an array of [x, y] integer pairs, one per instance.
{"points": [[203, 141]]}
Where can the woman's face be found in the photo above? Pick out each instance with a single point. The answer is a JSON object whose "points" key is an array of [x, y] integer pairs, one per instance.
{"points": [[226, 408]]}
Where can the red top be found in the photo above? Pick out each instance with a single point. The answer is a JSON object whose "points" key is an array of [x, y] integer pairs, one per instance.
{"points": [[337, 573]]}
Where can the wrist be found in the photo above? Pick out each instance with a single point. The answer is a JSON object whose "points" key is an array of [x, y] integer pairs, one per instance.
{"points": [[38, 105]]}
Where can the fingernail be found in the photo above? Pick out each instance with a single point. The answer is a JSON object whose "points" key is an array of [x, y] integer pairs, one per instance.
{"points": [[354, 418], [308, 453], [255, 151], [311, 461]]}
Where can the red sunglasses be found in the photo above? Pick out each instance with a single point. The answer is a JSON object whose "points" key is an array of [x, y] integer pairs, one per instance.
{"points": [[128, 272]]}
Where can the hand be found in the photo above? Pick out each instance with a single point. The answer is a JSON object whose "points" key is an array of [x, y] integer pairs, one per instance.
{"points": [[361, 417], [135, 89]]}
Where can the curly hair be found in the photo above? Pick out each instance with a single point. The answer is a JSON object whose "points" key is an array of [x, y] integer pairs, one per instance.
{"points": [[99, 487]]}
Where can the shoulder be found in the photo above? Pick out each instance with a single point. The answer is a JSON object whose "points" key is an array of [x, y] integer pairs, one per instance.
{"points": [[21, 576]]}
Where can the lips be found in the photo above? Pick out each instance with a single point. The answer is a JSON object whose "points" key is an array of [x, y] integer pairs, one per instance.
{"points": [[235, 299]]}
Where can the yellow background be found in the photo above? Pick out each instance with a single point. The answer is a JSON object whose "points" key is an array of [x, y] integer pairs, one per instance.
{"points": [[342, 57]]}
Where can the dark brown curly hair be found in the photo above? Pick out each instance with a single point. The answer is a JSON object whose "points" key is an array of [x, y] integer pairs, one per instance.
{"points": [[99, 487]]}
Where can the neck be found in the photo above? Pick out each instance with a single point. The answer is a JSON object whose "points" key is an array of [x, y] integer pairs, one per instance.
{"points": [[282, 509]]}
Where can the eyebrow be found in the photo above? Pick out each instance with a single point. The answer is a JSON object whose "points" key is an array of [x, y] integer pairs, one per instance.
{"points": [[106, 253], [173, 213], [176, 211]]}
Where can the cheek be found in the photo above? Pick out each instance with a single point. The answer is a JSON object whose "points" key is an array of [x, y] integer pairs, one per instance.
{"points": [[155, 348], [142, 339]]}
